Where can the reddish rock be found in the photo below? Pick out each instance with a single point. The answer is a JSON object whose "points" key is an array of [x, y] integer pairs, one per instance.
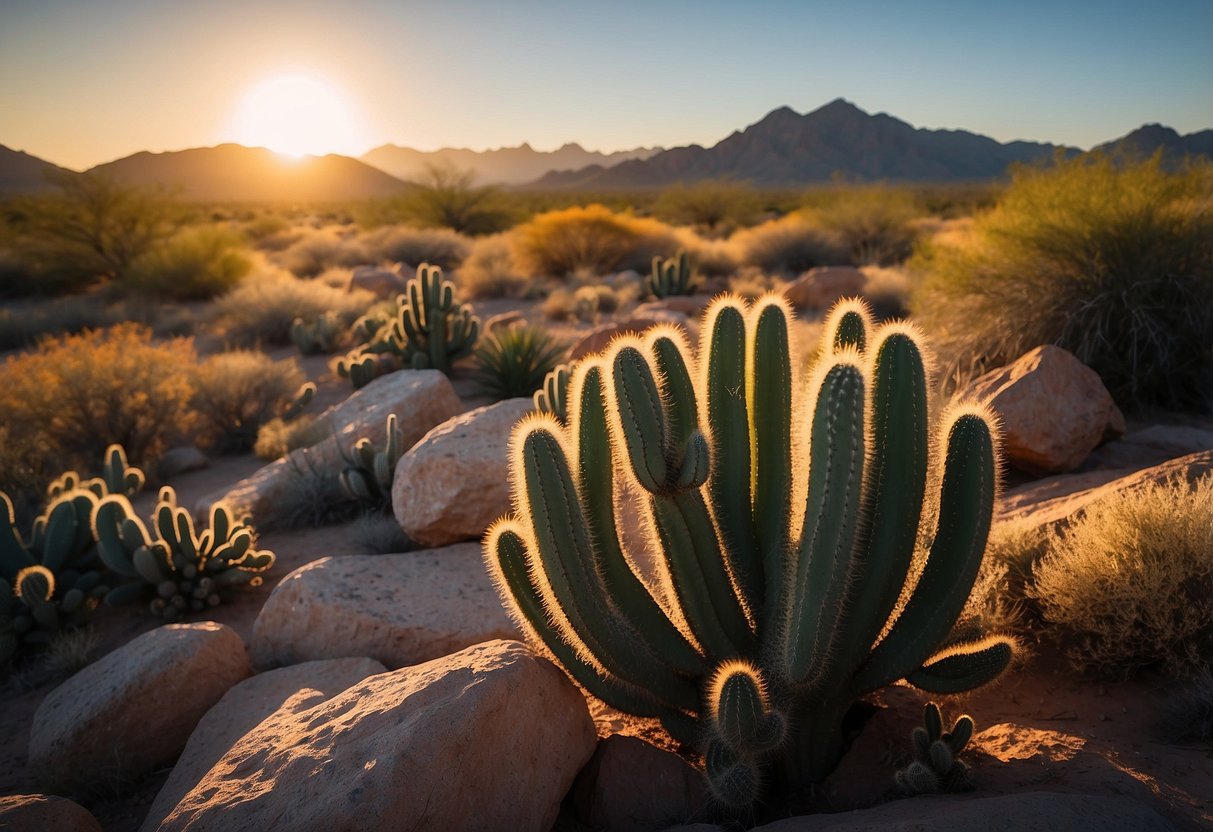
{"points": [[488, 738], [630, 786], [820, 288], [1054, 409], [601, 336]]}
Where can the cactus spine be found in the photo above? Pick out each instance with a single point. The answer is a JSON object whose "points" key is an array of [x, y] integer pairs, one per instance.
{"points": [[785, 524], [671, 277], [368, 475]]}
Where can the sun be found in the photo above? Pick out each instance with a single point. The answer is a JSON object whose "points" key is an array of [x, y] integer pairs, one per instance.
{"points": [[296, 115]]}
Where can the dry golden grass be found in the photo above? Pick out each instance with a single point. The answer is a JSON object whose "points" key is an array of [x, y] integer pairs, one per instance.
{"points": [[787, 246], [262, 309], [235, 393], [590, 239]]}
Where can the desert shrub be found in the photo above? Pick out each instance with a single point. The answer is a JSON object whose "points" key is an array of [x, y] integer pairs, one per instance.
{"points": [[311, 496], [23, 323], [317, 249], [445, 197], [490, 270], [709, 258], [263, 307], [1187, 714], [590, 239], [266, 226], [586, 303], [1129, 585], [440, 247], [887, 290], [513, 362], [1113, 262], [712, 206], [279, 436], [1017, 546], [752, 283], [788, 246], [873, 224], [74, 395], [196, 264], [235, 393], [375, 533]]}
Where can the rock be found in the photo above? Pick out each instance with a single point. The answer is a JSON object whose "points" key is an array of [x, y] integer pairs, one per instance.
{"points": [[1149, 446], [44, 813], [601, 336], [1056, 501], [691, 306], [819, 288], [382, 283], [453, 483], [503, 321], [629, 785], [180, 460], [420, 399], [488, 738], [397, 609], [295, 689], [1054, 409], [133, 709]]}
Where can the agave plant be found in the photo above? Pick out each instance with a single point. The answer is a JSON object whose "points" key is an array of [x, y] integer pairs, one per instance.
{"points": [[784, 514], [515, 361]]}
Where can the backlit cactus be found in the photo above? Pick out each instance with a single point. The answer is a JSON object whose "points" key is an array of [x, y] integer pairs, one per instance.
{"points": [[117, 477], [552, 396], [180, 570], [783, 516], [431, 329], [368, 474], [319, 335], [671, 277], [936, 767], [360, 367]]}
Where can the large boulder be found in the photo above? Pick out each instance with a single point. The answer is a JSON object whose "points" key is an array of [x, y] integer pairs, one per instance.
{"points": [[601, 336], [1054, 409], [820, 288], [397, 609], [44, 813], [420, 399], [488, 738], [632, 786], [295, 689], [452, 484], [133, 710]]}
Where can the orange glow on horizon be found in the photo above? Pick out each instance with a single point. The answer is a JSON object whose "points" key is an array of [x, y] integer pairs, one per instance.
{"points": [[296, 115]]}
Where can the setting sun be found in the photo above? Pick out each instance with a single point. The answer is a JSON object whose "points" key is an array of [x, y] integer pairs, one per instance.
{"points": [[296, 115]]}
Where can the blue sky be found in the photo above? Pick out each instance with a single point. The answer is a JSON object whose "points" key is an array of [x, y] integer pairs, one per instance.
{"points": [[82, 83]]}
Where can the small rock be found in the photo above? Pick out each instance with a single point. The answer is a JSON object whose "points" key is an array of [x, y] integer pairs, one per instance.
{"points": [[133, 709], [601, 336], [630, 786], [382, 283], [420, 399], [453, 483], [44, 813], [691, 306], [180, 460], [820, 288], [397, 609], [1054, 409], [242, 709], [488, 738]]}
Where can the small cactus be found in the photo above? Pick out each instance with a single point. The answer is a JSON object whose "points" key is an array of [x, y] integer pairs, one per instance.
{"points": [[117, 477], [552, 396], [368, 475], [432, 330], [318, 336], [303, 397], [360, 367], [671, 277], [936, 768]]}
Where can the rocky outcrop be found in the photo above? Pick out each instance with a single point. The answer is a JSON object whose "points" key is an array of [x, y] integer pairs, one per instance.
{"points": [[397, 609], [1054, 410], [44, 813], [420, 399], [818, 289], [601, 336], [453, 483], [632, 786], [488, 738], [293, 689], [133, 709]]}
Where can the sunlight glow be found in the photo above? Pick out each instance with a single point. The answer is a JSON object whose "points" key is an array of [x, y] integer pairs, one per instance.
{"points": [[296, 115]]}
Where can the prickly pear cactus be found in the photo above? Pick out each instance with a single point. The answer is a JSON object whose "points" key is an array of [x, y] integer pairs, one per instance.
{"points": [[784, 509], [367, 477], [180, 570], [936, 767], [671, 277], [117, 477]]}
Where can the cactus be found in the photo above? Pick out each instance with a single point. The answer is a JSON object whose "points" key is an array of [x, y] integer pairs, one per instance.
{"points": [[318, 336], [552, 396], [785, 528], [671, 277], [117, 477], [180, 570], [303, 397], [431, 330], [360, 367], [936, 768], [367, 477]]}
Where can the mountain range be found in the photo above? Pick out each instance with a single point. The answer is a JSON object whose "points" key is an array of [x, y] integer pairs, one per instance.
{"points": [[783, 149]]}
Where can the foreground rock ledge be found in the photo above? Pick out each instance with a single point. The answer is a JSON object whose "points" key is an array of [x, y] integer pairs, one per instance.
{"points": [[133, 710], [39, 812], [488, 738], [396, 609]]}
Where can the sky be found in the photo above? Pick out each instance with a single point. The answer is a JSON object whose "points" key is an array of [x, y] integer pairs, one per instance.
{"points": [[87, 82]]}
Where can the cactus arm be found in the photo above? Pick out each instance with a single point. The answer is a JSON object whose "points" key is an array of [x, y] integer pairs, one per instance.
{"points": [[108, 519], [963, 667], [667, 347], [847, 326], [966, 505], [13, 555], [826, 562]]}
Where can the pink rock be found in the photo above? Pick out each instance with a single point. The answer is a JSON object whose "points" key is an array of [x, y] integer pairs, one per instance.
{"points": [[630, 786], [821, 287]]}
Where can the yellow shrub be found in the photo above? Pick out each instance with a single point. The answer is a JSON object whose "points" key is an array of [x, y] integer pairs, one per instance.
{"points": [[591, 238], [235, 393]]}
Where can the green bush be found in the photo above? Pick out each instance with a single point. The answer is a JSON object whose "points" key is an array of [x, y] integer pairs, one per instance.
{"points": [[712, 206], [1130, 584], [235, 393], [513, 362], [874, 224], [1113, 262], [787, 246], [262, 309], [445, 197], [196, 264], [316, 249]]}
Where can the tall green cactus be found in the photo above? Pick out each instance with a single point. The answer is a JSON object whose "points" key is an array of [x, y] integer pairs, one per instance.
{"points": [[181, 570], [784, 514], [367, 477], [671, 277], [431, 329]]}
